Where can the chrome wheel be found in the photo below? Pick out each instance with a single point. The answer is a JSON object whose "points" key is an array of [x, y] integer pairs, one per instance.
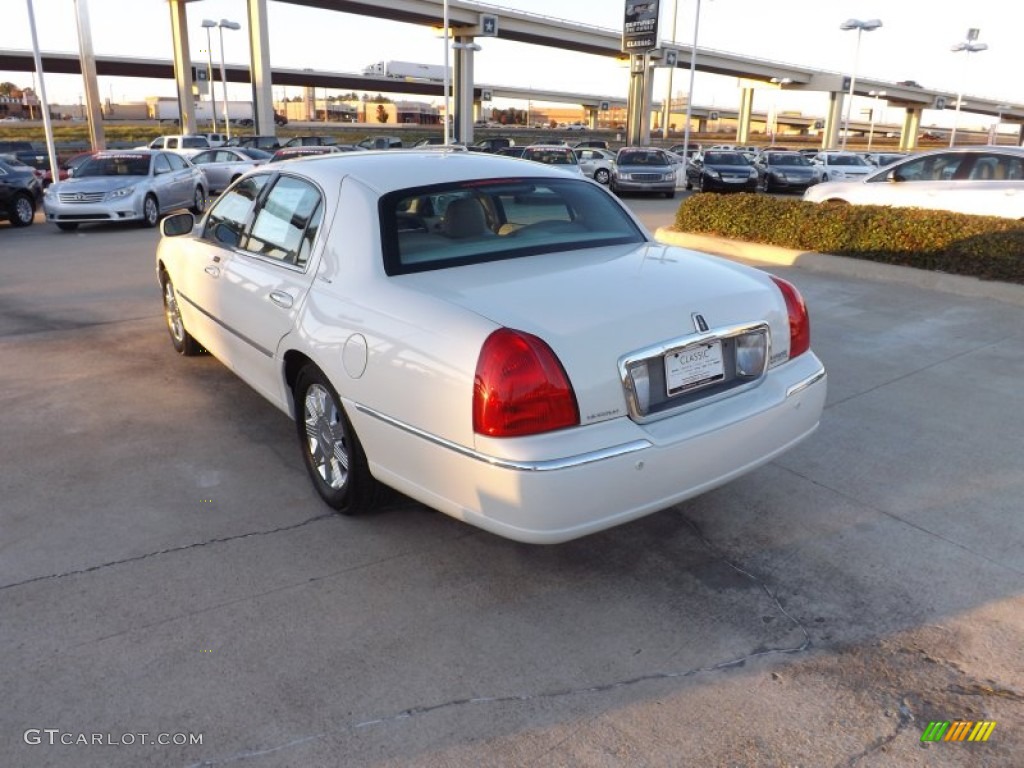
{"points": [[23, 212], [326, 441], [173, 314], [601, 176], [150, 212], [182, 340]]}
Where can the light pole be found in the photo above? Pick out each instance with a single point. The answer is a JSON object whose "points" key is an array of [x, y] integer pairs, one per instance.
{"points": [[861, 26], [209, 24], [874, 111], [994, 130], [447, 81], [969, 46], [689, 97], [667, 118], [223, 80]]}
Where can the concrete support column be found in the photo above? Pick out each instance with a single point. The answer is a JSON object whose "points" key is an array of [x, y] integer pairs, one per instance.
{"points": [[1020, 135], [911, 127], [463, 88], [641, 96], [833, 119], [182, 65], [743, 119], [592, 113], [87, 57], [259, 69]]}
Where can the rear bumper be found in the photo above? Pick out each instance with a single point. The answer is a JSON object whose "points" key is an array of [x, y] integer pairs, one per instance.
{"points": [[630, 470]]}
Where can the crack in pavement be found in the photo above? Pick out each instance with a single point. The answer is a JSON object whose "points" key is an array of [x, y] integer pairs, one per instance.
{"points": [[906, 718], [169, 550], [558, 693]]}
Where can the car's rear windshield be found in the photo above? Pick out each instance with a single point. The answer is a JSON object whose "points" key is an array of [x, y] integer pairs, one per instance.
{"points": [[786, 158], [114, 165], [551, 156], [847, 160], [451, 225], [725, 158]]}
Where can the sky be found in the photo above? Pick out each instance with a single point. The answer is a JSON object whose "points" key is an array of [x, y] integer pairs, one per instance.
{"points": [[913, 44]]}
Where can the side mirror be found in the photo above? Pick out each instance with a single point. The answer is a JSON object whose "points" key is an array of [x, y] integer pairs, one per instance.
{"points": [[177, 224]]}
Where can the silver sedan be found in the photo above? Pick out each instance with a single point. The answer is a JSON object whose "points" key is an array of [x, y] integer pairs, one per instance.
{"points": [[225, 164], [130, 185]]}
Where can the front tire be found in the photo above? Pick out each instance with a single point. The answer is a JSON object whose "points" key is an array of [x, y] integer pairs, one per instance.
{"points": [[331, 451], [23, 211], [184, 344], [601, 176], [67, 226], [150, 212]]}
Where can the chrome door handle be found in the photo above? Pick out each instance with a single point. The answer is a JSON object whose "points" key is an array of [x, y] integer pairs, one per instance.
{"points": [[212, 271], [281, 298]]}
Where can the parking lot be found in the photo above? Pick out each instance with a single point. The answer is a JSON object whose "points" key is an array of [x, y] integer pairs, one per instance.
{"points": [[167, 570]]}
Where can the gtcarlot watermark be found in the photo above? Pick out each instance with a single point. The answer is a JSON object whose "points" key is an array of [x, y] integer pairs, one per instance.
{"points": [[54, 736]]}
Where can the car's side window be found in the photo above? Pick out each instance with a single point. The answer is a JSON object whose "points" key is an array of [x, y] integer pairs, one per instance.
{"points": [[224, 157], [202, 157], [177, 163], [161, 165], [229, 215], [997, 168], [284, 221]]}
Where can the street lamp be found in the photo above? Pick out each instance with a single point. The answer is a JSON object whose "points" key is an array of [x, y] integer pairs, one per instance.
{"points": [[667, 116], [209, 24], [223, 79], [874, 112], [999, 121], [689, 97], [861, 26], [968, 46]]}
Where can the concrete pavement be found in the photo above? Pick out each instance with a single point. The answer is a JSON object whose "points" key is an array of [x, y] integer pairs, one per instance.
{"points": [[165, 566]]}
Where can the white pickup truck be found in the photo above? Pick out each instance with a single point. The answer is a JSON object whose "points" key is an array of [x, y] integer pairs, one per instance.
{"points": [[186, 145]]}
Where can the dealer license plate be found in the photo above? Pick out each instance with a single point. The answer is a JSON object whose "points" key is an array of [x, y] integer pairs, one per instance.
{"points": [[693, 367]]}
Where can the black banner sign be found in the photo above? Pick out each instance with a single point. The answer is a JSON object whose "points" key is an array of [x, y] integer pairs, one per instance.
{"points": [[640, 30]]}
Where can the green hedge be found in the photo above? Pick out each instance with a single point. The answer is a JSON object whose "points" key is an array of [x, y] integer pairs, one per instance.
{"points": [[986, 247]]}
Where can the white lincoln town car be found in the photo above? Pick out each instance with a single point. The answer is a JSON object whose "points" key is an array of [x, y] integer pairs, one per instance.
{"points": [[501, 342]]}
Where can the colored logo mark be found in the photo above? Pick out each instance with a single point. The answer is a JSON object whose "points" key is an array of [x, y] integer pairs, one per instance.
{"points": [[958, 730]]}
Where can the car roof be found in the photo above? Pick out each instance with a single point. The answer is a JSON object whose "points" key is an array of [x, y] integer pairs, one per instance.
{"points": [[385, 171]]}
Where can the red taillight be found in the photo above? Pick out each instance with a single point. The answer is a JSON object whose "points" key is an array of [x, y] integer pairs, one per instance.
{"points": [[799, 321], [520, 388]]}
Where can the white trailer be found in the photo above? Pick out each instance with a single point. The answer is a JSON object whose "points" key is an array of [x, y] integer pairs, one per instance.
{"points": [[167, 110], [406, 70]]}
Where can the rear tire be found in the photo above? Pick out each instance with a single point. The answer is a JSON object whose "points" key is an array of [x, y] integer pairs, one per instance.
{"points": [[601, 176], [23, 211], [331, 451]]}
